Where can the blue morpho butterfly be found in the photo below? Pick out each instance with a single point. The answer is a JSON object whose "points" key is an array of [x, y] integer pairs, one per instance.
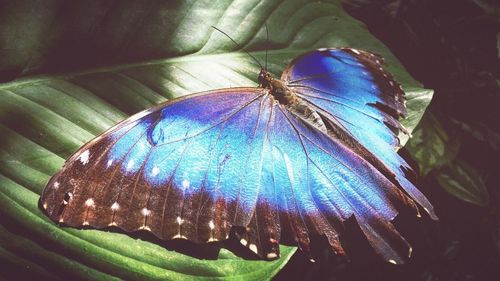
{"points": [[299, 155]]}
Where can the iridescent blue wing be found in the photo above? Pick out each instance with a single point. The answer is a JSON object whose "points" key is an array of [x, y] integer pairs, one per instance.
{"points": [[319, 183], [361, 103], [183, 169]]}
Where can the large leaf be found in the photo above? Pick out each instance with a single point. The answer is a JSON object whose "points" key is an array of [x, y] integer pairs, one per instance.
{"points": [[44, 118], [431, 146]]}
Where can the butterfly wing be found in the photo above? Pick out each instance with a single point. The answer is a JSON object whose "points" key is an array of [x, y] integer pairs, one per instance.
{"points": [[319, 183], [362, 103], [194, 167], [179, 170]]}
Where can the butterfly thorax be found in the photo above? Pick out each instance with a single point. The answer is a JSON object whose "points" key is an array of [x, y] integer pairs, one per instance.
{"points": [[277, 88], [288, 98]]}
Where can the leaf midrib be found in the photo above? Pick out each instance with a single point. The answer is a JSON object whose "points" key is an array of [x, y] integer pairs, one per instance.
{"points": [[31, 80]]}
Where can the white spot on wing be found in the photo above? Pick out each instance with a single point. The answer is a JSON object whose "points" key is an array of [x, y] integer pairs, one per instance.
{"points": [[179, 220], [45, 206], [130, 164], [56, 185], [355, 51], [115, 206], [211, 224], [89, 202], [145, 227], [253, 248], [392, 261], [110, 161], [185, 184], [272, 255], [243, 242], [155, 171], [84, 157], [145, 212]]}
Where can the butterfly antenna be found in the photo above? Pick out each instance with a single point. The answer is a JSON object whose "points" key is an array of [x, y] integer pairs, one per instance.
{"points": [[267, 42], [239, 46]]}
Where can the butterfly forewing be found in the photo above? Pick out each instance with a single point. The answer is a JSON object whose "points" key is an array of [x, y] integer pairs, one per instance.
{"points": [[135, 175]]}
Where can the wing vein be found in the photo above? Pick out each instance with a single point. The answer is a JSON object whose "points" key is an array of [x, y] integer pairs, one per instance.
{"points": [[299, 135], [292, 189], [215, 124]]}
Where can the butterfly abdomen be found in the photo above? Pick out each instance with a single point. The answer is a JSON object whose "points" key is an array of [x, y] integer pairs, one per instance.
{"points": [[286, 97], [307, 113]]}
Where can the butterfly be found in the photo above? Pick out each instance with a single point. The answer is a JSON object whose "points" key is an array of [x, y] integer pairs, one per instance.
{"points": [[298, 155]]}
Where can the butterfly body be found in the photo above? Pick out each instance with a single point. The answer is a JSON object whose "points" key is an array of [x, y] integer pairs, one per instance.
{"points": [[289, 99], [296, 155]]}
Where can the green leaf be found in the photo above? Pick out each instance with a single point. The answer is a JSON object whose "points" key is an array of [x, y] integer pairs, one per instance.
{"points": [[417, 100], [431, 146], [464, 182], [44, 118]]}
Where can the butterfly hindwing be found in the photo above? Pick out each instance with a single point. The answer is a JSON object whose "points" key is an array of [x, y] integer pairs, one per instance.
{"points": [[338, 184]]}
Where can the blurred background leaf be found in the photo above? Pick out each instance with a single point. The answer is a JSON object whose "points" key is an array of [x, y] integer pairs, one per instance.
{"points": [[73, 69], [431, 146], [463, 181]]}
